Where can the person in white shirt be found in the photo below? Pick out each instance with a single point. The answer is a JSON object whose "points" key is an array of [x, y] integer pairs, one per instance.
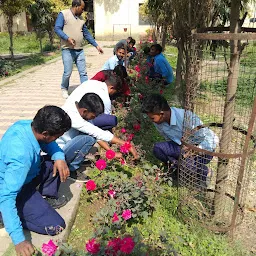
{"points": [[77, 141], [112, 85]]}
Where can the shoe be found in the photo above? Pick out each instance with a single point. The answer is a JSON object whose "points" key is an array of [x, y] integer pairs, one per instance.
{"points": [[64, 93], [78, 176], [57, 203]]}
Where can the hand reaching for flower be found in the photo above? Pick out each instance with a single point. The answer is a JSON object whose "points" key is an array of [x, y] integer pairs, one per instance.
{"points": [[118, 155]]}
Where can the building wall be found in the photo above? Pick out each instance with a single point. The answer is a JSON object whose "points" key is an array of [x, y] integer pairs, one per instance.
{"points": [[113, 17], [19, 23]]}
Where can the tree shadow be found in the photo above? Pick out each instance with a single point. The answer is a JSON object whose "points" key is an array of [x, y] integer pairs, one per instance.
{"points": [[111, 6]]}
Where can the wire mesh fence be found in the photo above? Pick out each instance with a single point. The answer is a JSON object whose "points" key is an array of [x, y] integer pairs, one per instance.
{"points": [[215, 170]]}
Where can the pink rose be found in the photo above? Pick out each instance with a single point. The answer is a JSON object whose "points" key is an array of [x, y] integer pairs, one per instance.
{"points": [[123, 130], [112, 193], [92, 247], [137, 68], [110, 154], [130, 136], [136, 127], [127, 245], [122, 161], [90, 185], [115, 218], [127, 214], [113, 246], [50, 248], [125, 148], [101, 164]]}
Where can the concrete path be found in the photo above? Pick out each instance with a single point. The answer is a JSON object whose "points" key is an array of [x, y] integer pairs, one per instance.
{"points": [[20, 98]]}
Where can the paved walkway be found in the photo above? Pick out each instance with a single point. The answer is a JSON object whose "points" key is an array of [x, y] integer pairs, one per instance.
{"points": [[20, 98]]}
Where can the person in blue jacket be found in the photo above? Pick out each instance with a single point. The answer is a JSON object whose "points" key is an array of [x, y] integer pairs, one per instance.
{"points": [[159, 66], [29, 182]]}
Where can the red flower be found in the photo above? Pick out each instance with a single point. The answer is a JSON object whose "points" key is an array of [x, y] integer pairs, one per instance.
{"points": [[123, 130], [125, 148], [140, 96], [127, 214], [127, 245], [101, 164], [122, 161], [6, 73], [92, 247], [161, 91], [147, 79], [115, 218], [139, 75], [90, 185], [113, 246], [112, 193], [49, 249], [137, 68], [130, 136], [110, 154], [136, 127]]}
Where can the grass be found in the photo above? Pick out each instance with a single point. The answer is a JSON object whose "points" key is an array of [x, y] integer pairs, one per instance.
{"points": [[23, 43]]}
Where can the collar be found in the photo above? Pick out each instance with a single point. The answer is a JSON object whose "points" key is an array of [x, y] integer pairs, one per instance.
{"points": [[173, 120], [33, 139]]}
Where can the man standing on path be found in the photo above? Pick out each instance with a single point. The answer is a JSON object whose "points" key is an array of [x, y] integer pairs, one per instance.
{"points": [[71, 28]]}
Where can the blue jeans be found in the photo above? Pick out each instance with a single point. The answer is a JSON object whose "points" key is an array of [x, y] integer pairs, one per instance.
{"points": [[76, 149], [170, 151], [104, 121], [69, 56]]}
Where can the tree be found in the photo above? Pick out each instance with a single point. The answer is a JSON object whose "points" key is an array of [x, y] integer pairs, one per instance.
{"points": [[10, 8]]}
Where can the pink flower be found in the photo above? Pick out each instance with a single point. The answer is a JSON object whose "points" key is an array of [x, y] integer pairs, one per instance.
{"points": [[122, 161], [112, 193], [140, 96], [130, 136], [113, 246], [110, 154], [123, 130], [137, 68], [101, 164], [139, 75], [127, 245], [127, 214], [125, 148], [50, 248], [161, 91], [90, 185], [92, 247], [115, 218], [136, 127], [147, 79]]}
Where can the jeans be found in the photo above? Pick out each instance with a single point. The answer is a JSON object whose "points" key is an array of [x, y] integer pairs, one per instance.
{"points": [[170, 151], [69, 56], [76, 149], [34, 211], [104, 121]]}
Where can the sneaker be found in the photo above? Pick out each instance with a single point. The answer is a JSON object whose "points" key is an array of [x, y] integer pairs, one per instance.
{"points": [[64, 93], [56, 203], [78, 176]]}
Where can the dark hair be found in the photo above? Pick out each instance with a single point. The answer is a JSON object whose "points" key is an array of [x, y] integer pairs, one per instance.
{"points": [[92, 102], [158, 47], [120, 47], [129, 38], [116, 82], [120, 71], [154, 103], [132, 41], [77, 3], [52, 119], [146, 50]]}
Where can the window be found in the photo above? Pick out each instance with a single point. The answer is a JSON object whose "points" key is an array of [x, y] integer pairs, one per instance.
{"points": [[142, 20]]}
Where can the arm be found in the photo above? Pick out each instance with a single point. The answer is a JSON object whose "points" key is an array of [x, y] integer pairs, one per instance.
{"points": [[18, 164], [106, 66], [163, 69], [53, 150], [87, 36], [59, 25]]}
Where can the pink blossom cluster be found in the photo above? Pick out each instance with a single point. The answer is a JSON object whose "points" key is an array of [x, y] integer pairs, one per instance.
{"points": [[125, 148], [114, 247], [126, 215], [49, 248]]}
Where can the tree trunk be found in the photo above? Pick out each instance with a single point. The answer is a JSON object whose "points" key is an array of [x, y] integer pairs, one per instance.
{"points": [[10, 31], [40, 42], [229, 110], [164, 35], [51, 37]]}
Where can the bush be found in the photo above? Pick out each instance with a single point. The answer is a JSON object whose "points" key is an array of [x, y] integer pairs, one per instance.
{"points": [[6, 67]]}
